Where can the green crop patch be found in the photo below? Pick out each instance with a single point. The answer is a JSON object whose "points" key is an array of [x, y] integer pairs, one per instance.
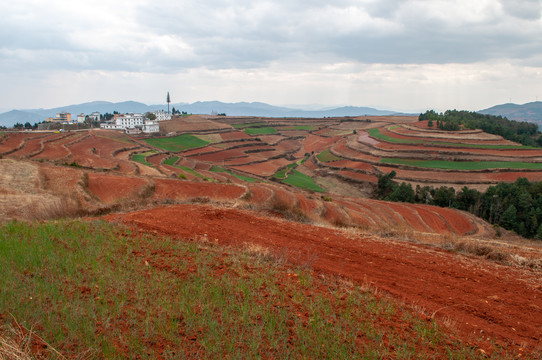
{"points": [[171, 161], [302, 181], [463, 165], [142, 157], [327, 156], [219, 169], [260, 130], [177, 143]]}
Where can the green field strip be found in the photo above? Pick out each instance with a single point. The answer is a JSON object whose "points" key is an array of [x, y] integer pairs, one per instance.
{"points": [[463, 165], [171, 161], [177, 143], [245, 125], [300, 180], [261, 130], [378, 135], [142, 157], [219, 169], [298, 127], [327, 156]]}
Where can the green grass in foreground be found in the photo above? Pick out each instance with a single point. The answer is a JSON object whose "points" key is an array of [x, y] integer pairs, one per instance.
{"points": [[171, 161], [219, 169], [142, 157], [303, 181], [463, 165], [177, 143], [94, 290], [378, 135], [327, 156], [261, 130]]}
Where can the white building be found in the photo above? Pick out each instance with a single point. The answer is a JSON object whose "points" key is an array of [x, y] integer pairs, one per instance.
{"points": [[131, 122], [161, 115], [95, 116], [81, 118]]}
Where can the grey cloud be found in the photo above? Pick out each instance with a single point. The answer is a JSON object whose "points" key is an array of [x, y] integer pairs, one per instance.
{"points": [[242, 34], [524, 9]]}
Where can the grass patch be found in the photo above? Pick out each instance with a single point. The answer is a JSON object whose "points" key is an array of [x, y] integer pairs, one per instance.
{"points": [[327, 156], [378, 135], [193, 172], [142, 157], [244, 125], [299, 127], [219, 169], [177, 143], [303, 181], [94, 290], [171, 161], [261, 130], [281, 174], [463, 165]]}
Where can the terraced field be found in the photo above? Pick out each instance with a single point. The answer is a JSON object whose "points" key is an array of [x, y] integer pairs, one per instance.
{"points": [[213, 179], [292, 167]]}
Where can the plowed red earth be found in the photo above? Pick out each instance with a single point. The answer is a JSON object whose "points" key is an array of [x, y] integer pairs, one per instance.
{"points": [[484, 301]]}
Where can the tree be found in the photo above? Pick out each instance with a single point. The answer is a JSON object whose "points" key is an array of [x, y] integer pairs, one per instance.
{"points": [[402, 193], [430, 123], [385, 184], [150, 116], [168, 101], [509, 218]]}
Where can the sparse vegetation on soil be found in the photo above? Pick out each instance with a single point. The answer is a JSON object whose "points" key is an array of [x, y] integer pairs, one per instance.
{"points": [[89, 289]]}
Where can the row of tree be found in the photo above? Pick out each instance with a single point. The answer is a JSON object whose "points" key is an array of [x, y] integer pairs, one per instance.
{"points": [[514, 206], [518, 131]]}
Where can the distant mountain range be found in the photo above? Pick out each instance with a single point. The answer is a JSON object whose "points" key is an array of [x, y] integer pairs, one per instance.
{"points": [[201, 107], [531, 112]]}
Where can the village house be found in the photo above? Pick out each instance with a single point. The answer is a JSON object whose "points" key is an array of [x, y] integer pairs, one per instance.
{"points": [[131, 123]]}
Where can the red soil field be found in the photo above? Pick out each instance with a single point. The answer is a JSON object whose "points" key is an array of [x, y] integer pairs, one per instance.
{"points": [[234, 135], [31, 146], [481, 298], [270, 139], [56, 150], [14, 140], [111, 188], [266, 168], [459, 222], [411, 217], [260, 193], [342, 150], [198, 151], [358, 176], [351, 165], [183, 190], [220, 155], [316, 143]]}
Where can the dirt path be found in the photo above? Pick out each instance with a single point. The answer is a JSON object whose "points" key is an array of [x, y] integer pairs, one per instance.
{"points": [[481, 299]]}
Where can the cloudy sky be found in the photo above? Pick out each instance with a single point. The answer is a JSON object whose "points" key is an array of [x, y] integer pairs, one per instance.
{"points": [[406, 55]]}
